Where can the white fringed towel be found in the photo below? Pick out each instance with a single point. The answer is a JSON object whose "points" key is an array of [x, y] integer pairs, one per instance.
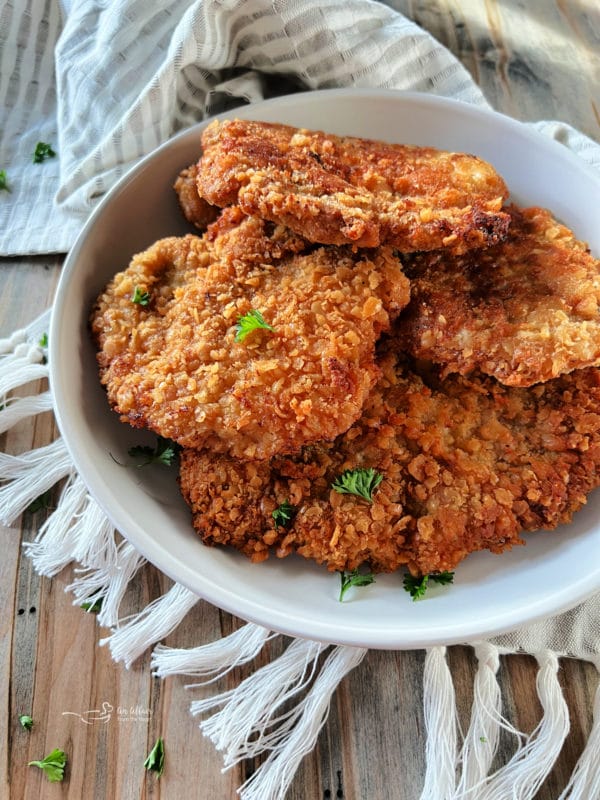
{"points": [[152, 70]]}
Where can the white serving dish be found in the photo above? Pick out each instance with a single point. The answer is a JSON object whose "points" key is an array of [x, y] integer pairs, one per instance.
{"points": [[491, 594]]}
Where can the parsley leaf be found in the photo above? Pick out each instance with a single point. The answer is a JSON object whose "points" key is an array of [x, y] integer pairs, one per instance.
{"points": [[140, 297], [354, 578], [443, 578], [93, 608], [164, 453], [42, 152], [359, 481], [53, 765], [417, 587], [250, 322], [156, 757], [284, 514], [26, 721], [43, 342], [3, 182]]}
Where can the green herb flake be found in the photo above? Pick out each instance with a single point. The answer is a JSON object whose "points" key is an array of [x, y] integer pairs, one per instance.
{"points": [[156, 757], [53, 765], [41, 502], [93, 608], [26, 721], [354, 578], [284, 514], [164, 453], [359, 481], [140, 297], [43, 342], [483, 740], [4, 187], [417, 586], [43, 150], [249, 322]]}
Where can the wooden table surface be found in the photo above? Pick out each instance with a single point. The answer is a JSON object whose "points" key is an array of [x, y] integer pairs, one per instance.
{"points": [[534, 59]]}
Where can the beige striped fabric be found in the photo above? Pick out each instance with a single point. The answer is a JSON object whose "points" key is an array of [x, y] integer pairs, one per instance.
{"points": [[106, 82]]}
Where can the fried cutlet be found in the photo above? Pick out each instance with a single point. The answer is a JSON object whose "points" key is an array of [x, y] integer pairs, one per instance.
{"points": [[175, 366], [347, 190], [523, 311], [467, 465], [195, 209]]}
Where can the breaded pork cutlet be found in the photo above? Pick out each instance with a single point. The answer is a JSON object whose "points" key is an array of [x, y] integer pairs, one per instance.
{"points": [[195, 209], [178, 366], [524, 311], [467, 465], [346, 190]]}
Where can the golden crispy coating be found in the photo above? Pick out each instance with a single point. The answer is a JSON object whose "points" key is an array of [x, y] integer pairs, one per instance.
{"points": [[195, 208], [523, 311], [340, 190], [467, 465], [175, 367]]}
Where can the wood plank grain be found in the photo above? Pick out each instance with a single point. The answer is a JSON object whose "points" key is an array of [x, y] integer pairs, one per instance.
{"points": [[533, 59]]}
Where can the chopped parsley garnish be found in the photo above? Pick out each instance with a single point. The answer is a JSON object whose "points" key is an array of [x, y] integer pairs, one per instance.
{"points": [[417, 587], [156, 757], [43, 501], [43, 342], [354, 578], [3, 181], [53, 765], [140, 297], [93, 608], [250, 322], [359, 481], [163, 453], [26, 721], [284, 514], [42, 152]]}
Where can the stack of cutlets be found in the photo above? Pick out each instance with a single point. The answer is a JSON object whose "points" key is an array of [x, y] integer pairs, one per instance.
{"points": [[356, 310]]}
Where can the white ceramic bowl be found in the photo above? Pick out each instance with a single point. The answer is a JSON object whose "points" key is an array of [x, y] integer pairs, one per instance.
{"points": [[491, 593]]}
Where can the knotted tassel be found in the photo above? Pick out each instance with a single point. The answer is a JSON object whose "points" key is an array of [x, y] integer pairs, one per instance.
{"points": [[441, 726], [248, 724], [30, 475], [213, 660], [107, 582], [59, 537], [584, 783], [138, 632], [481, 741], [523, 775], [272, 779], [16, 409]]}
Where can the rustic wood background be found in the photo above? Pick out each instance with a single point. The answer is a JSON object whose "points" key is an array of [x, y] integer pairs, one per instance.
{"points": [[534, 59]]}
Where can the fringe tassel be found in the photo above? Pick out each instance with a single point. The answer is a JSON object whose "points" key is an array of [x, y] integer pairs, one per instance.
{"points": [[154, 622], [584, 783], [9, 345], [272, 779], [30, 475], [215, 659], [58, 538], [17, 409], [248, 725], [107, 583], [441, 726], [522, 776], [481, 742]]}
